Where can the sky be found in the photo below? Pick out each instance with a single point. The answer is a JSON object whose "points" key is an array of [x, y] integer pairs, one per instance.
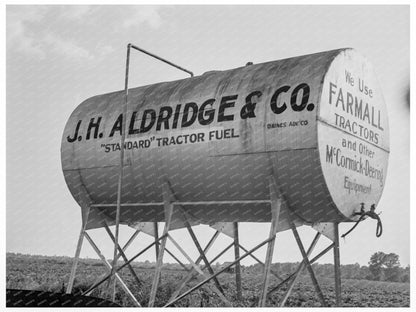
{"points": [[58, 56]]}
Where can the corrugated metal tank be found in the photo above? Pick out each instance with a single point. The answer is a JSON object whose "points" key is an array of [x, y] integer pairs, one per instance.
{"points": [[316, 123]]}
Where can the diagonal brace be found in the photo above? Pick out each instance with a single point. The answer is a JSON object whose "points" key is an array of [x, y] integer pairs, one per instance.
{"points": [[121, 252], [299, 270], [109, 267], [121, 267], [308, 265], [220, 271]]}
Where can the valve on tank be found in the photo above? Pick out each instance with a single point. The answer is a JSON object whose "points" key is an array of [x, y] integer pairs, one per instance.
{"points": [[363, 214]]}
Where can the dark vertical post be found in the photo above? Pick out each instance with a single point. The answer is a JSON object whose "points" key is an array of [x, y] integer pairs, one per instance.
{"points": [[121, 169], [168, 206], [337, 267], [85, 216], [123, 138], [276, 202], [156, 232], [74, 266], [237, 265]]}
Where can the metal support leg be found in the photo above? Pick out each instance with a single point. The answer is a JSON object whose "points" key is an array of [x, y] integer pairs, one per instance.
{"points": [[156, 232], [190, 274], [219, 255], [110, 269], [159, 263], [183, 252], [219, 272], [237, 265], [202, 255], [308, 265], [120, 176], [121, 252], [177, 260], [197, 269], [276, 203], [75, 264], [267, 266], [299, 270], [337, 267], [107, 277], [287, 279], [262, 264], [126, 245]]}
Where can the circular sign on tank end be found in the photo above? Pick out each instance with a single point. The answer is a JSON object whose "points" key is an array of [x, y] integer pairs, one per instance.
{"points": [[353, 134]]}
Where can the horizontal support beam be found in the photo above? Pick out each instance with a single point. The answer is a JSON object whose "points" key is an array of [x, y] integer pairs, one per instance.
{"points": [[218, 202]]}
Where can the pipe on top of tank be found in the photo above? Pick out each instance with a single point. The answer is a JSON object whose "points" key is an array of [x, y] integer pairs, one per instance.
{"points": [[159, 58]]}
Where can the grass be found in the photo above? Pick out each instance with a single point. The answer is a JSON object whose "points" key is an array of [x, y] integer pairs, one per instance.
{"points": [[52, 274]]}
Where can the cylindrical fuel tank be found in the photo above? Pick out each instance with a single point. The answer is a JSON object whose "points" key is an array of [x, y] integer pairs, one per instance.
{"points": [[316, 123]]}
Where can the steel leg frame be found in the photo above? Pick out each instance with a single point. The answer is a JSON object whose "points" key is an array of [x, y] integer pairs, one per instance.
{"points": [[308, 266], [299, 270], [231, 224], [156, 232], [122, 266], [75, 264], [169, 211], [110, 268], [159, 263], [287, 279], [197, 269], [202, 254], [156, 235], [337, 268], [276, 203], [292, 278], [122, 140], [121, 252], [176, 244], [177, 260], [237, 265], [262, 263], [191, 272], [219, 272], [126, 245], [120, 173], [170, 196], [127, 262]]}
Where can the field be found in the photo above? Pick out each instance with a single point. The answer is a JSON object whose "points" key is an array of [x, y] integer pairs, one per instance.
{"points": [[52, 274]]}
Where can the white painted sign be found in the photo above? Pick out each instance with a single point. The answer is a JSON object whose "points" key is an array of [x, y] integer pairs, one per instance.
{"points": [[353, 134]]}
